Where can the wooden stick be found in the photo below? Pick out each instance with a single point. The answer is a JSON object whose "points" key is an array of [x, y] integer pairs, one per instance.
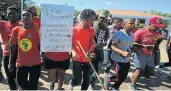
{"points": [[91, 66]]}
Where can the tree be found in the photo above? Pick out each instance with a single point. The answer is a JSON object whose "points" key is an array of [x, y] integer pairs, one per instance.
{"points": [[4, 4], [158, 13], [76, 12], [28, 3], [38, 11]]}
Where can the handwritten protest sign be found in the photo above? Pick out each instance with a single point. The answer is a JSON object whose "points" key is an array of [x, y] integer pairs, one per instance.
{"points": [[56, 28]]}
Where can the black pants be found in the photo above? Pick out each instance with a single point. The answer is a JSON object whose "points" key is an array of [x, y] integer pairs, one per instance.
{"points": [[78, 68], [97, 63], [11, 76], [30, 83], [122, 72], [1, 55]]}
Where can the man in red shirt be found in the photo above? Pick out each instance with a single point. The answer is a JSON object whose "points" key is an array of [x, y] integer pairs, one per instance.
{"points": [[144, 42], [5, 32], [27, 40], [84, 33]]}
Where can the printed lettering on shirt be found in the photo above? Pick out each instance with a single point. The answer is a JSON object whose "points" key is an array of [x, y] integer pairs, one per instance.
{"points": [[29, 35], [148, 38], [25, 45], [101, 36]]}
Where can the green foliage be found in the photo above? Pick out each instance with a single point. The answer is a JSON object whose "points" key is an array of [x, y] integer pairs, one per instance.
{"points": [[140, 25], [158, 13], [76, 12], [4, 4], [38, 11]]}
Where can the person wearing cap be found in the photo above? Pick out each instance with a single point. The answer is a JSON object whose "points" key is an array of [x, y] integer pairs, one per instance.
{"points": [[144, 42], [101, 36]]}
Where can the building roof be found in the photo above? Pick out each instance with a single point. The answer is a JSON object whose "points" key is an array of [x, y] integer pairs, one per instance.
{"points": [[133, 14]]}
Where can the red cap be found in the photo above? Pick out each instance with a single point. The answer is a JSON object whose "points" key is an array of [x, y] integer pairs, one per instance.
{"points": [[157, 21]]}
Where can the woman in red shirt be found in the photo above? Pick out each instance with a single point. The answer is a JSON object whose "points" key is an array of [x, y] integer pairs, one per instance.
{"points": [[56, 62]]}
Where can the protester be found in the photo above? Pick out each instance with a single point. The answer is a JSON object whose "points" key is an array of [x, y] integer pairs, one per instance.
{"points": [[101, 37], [84, 33], [122, 43], [116, 26], [56, 62], [144, 42], [26, 41], [5, 31], [36, 19]]}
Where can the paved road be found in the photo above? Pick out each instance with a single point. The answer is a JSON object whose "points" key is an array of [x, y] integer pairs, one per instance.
{"points": [[161, 82]]}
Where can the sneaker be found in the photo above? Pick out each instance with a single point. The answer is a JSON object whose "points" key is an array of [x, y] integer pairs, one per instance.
{"points": [[70, 86], [133, 87], [52, 86], [106, 81], [92, 83]]}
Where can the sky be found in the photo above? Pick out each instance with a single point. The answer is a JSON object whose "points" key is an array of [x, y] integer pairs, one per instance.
{"points": [[139, 5]]}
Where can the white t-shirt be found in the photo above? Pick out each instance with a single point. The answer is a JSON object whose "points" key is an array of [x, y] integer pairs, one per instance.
{"points": [[112, 30]]}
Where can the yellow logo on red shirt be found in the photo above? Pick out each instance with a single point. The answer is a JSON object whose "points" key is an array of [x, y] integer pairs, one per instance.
{"points": [[155, 37], [25, 45]]}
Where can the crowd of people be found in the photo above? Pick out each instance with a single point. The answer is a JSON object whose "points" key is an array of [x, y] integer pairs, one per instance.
{"points": [[107, 42]]}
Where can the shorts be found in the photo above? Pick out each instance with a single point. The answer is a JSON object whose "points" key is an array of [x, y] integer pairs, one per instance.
{"points": [[50, 64], [143, 60]]}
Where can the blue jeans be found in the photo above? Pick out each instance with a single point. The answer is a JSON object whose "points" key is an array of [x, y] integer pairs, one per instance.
{"points": [[107, 60]]}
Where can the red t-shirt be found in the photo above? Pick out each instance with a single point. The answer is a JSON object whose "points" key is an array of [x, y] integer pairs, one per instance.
{"points": [[146, 37], [36, 21], [86, 39], [5, 33], [57, 56], [27, 41]]}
